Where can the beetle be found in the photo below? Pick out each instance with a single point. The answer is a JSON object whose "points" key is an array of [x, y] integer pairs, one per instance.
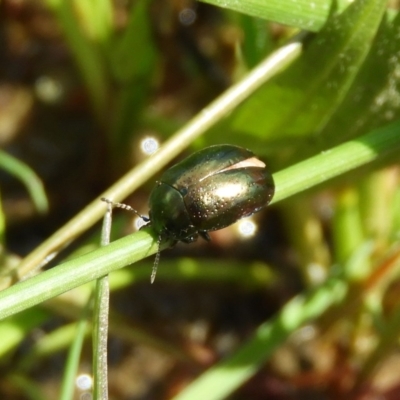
{"points": [[207, 191]]}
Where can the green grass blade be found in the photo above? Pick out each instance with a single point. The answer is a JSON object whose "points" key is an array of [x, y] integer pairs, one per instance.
{"points": [[15, 329], [303, 14], [310, 91], [74, 356], [87, 56], [372, 100], [74, 273], [100, 320], [31, 181], [96, 17], [336, 161]]}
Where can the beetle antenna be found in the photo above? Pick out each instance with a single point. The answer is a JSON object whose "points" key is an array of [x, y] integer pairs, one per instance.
{"points": [[156, 260], [125, 207]]}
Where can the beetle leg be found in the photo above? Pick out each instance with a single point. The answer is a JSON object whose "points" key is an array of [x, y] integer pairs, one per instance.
{"points": [[205, 235], [190, 239]]}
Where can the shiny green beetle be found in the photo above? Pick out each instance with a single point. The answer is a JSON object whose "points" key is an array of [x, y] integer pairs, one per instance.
{"points": [[207, 191]]}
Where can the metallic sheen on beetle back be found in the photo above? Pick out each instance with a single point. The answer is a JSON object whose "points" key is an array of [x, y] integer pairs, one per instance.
{"points": [[207, 191]]}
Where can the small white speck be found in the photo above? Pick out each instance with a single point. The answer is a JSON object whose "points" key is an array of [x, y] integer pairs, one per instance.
{"points": [[247, 228], [84, 382], [149, 145]]}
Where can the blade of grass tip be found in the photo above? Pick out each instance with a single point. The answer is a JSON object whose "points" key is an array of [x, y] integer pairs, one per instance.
{"points": [[206, 118], [31, 181]]}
